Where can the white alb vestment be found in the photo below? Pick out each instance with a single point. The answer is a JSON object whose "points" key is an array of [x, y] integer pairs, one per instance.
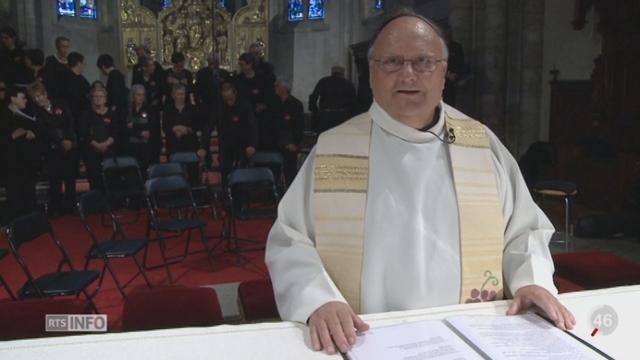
{"points": [[411, 250]]}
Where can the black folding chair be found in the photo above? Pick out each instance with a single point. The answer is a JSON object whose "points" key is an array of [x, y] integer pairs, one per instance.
{"points": [[172, 212], [123, 183], [253, 195], [204, 193], [59, 283], [165, 169], [3, 284], [274, 162], [93, 204]]}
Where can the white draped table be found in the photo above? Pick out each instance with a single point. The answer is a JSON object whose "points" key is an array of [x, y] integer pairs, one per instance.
{"points": [[287, 340]]}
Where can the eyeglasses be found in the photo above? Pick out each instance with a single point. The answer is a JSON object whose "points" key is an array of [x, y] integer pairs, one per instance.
{"points": [[418, 64]]}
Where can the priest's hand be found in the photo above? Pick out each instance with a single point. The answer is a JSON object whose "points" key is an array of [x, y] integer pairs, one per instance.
{"points": [[337, 321], [528, 296]]}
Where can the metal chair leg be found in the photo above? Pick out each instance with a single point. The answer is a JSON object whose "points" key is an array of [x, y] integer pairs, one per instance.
{"points": [[6, 288], [566, 223], [142, 272], [90, 298], [164, 258], [209, 251], [115, 279]]}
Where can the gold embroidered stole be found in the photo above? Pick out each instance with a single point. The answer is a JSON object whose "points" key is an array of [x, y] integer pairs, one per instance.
{"points": [[341, 177]]}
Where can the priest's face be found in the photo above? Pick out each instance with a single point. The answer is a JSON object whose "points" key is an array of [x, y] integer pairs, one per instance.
{"points": [[407, 71]]}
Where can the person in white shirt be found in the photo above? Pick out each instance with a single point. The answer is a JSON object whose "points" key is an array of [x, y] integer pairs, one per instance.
{"points": [[408, 206]]}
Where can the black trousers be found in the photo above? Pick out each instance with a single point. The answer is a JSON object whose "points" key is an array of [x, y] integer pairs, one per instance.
{"points": [[325, 120], [62, 168], [268, 135], [144, 155], [290, 166], [93, 164], [230, 158], [21, 192]]}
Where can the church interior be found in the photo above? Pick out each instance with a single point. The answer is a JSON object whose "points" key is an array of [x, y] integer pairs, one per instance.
{"points": [[557, 81]]}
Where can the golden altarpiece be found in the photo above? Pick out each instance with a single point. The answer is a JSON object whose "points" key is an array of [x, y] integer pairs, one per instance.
{"points": [[195, 28]]}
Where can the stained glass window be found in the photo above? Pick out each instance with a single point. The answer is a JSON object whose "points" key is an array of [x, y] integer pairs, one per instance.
{"points": [[295, 10], [66, 8], [379, 5], [166, 3], [316, 10], [88, 9], [223, 3]]}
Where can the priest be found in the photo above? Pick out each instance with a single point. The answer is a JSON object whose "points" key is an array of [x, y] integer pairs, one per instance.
{"points": [[410, 205]]}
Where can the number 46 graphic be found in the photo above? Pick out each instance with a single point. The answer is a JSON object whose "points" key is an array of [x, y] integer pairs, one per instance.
{"points": [[605, 319]]}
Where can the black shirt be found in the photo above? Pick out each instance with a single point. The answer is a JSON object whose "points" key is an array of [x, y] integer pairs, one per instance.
{"points": [[117, 93], [208, 83], [288, 116], [266, 69], [184, 77], [99, 128], [20, 154], [56, 124], [137, 73], [187, 117], [335, 93], [53, 76], [154, 90], [145, 119], [23, 76], [238, 129], [10, 60], [255, 90], [75, 92]]}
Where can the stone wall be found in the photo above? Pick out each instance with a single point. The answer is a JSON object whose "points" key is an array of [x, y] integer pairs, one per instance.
{"points": [[39, 25], [566, 50]]}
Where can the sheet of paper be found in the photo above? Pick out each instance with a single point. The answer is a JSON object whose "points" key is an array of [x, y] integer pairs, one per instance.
{"points": [[421, 340], [526, 336]]}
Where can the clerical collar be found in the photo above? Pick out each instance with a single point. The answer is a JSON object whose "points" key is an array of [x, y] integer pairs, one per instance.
{"points": [[407, 133], [436, 116]]}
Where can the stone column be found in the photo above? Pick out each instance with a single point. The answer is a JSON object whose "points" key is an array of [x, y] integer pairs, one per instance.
{"points": [[462, 20], [531, 75], [29, 22], [491, 62]]}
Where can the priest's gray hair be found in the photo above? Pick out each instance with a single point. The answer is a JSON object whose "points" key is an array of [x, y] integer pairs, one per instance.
{"points": [[405, 12]]}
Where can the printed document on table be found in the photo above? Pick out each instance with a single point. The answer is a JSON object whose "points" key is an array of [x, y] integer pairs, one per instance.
{"points": [[421, 340], [526, 336]]}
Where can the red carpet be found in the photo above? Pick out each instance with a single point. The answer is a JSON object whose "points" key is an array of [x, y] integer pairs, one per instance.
{"points": [[195, 270]]}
